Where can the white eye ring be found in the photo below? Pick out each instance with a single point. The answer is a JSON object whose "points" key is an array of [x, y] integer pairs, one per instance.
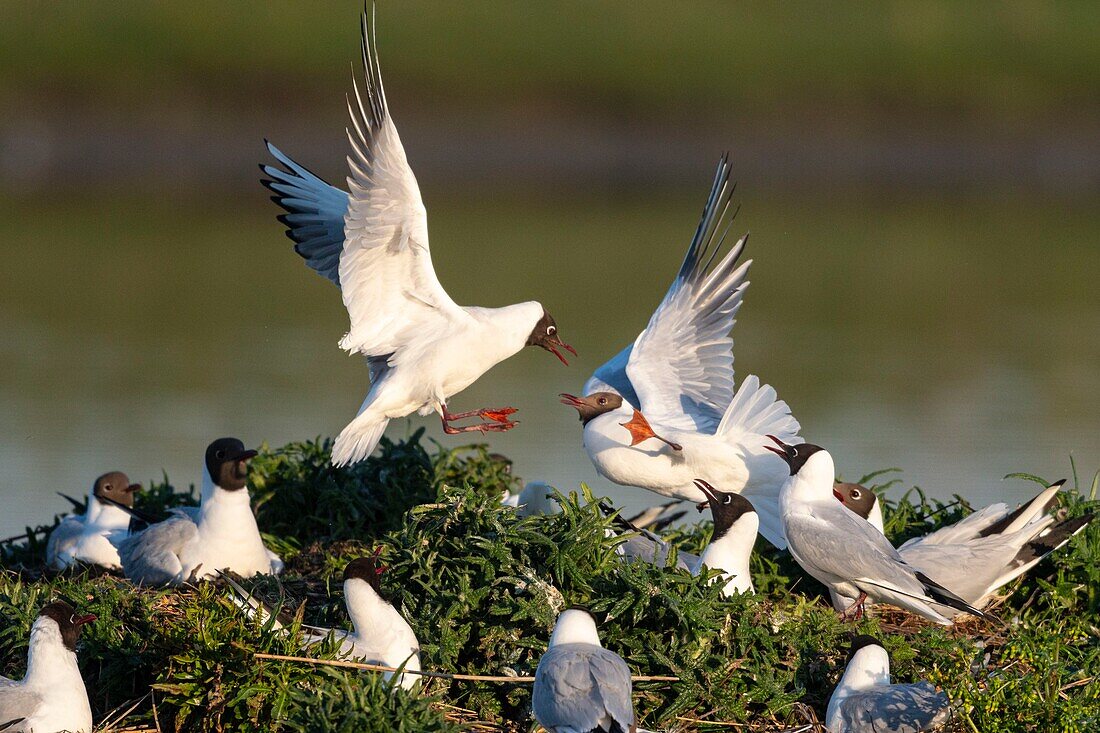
{"points": [[856, 494], [550, 331], [727, 500], [72, 619]]}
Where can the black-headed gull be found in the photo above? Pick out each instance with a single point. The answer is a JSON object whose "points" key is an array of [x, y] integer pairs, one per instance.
{"points": [[864, 701], [845, 552], [981, 553], [664, 411], [51, 697], [422, 348], [580, 687], [194, 543], [92, 537], [380, 634], [729, 550]]}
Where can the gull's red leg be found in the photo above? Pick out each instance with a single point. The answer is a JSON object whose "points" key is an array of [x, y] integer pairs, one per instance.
{"points": [[499, 417], [854, 612]]}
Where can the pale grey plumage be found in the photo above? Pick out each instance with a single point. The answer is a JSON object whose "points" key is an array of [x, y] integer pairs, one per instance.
{"points": [[579, 686], [908, 708], [152, 557], [16, 703]]}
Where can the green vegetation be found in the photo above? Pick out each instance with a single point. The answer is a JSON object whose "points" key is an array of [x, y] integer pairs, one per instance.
{"points": [[481, 587], [940, 55]]}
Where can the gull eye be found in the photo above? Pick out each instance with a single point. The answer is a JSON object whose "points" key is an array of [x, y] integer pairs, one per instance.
{"points": [[856, 493], [72, 619], [551, 330], [220, 455], [728, 500], [602, 400], [106, 487]]}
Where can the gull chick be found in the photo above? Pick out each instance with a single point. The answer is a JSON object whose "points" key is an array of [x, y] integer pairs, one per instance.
{"points": [[194, 543], [93, 537], [982, 552], [845, 552], [380, 634], [421, 347], [864, 701], [51, 697], [580, 687], [663, 411]]}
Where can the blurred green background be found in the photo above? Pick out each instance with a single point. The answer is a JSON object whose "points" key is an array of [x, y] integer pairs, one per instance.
{"points": [[920, 179]]}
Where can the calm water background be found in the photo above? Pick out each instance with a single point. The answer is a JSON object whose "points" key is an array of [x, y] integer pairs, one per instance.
{"points": [[925, 285]]}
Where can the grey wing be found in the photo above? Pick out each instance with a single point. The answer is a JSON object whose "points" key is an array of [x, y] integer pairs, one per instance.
{"points": [[16, 703], [849, 548], [152, 557], [315, 213], [62, 539], [611, 377], [896, 709], [578, 686]]}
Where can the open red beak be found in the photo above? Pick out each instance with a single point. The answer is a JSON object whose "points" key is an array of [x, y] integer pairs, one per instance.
{"points": [[133, 488], [552, 344], [839, 496], [571, 400], [81, 620]]}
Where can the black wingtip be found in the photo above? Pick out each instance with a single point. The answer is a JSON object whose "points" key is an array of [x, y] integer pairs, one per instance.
{"points": [[945, 597]]}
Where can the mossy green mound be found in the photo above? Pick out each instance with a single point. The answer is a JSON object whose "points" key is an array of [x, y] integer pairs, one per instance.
{"points": [[482, 586]]}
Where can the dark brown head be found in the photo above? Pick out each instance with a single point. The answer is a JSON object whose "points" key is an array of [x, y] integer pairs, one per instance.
{"points": [[859, 642], [859, 499], [115, 486], [795, 455], [726, 507], [67, 621], [227, 461], [593, 405], [368, 569], [545, 334]]}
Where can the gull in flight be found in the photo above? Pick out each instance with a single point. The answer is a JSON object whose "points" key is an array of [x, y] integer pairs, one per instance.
{"points": [[981, 553], [93, 537], [194, 543], [663, 411], [845, 552], [51, 697], [421, 347], [864, 701]]}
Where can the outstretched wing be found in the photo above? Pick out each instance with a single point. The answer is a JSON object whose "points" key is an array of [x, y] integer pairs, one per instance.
{"points": [[681, 365], [389, 285]]}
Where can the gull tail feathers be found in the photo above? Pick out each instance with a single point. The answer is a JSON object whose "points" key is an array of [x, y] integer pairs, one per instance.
{"points": [[359, 439], [314, 215], [1034, 551], [756, 409], [1026, 513]]}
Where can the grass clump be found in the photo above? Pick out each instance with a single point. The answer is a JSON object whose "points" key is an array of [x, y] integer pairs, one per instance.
{"points": [[481, 586]]}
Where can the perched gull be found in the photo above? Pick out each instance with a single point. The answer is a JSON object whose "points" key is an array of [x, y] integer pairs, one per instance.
{"points": [[864, 701], [380, 633], [580, 687], [421, 346], [729, 549], [93, 537], [194, 543], [984, 551], [675, 384], [51, 697], [845, 552]]}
